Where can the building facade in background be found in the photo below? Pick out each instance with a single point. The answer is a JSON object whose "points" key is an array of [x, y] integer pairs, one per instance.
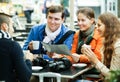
{"points": [[100, 6]]}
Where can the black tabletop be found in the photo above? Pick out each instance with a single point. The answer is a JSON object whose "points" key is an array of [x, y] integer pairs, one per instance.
{"points": [[67, 73]]}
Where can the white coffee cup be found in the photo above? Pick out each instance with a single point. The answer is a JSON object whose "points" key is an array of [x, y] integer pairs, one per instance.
{"points": [[86, 46], [35, 45]]}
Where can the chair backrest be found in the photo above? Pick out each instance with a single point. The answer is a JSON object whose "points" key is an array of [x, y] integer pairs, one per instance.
{"points": [[50, 75]]}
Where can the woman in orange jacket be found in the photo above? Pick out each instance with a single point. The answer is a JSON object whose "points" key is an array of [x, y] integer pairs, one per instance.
{"points": [[86, 35]]}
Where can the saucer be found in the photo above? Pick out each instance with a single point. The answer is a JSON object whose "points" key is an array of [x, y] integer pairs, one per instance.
{"points": [[36, 68], [79, 65]]}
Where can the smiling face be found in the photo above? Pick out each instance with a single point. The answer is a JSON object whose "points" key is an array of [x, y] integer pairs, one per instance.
{"points": [[54, 20], [84, 22], [100, 27]]}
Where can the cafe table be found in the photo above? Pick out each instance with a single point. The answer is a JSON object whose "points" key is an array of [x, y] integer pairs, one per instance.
{"points": [[70, 73]]}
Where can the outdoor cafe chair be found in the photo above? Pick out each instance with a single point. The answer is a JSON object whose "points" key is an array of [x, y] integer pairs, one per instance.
{"points": [[49, 75]]}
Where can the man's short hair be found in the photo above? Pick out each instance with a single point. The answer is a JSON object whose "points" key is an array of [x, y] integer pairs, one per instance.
{"points": [[2, 13], [56, 9], [4, 18]]}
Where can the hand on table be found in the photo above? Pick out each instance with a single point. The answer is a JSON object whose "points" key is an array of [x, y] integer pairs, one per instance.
{"points": [[35, 56], [75, 57], [28, 55]]}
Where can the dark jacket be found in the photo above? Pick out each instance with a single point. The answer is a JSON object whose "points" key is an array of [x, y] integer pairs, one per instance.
{"points": [[12, 64]]}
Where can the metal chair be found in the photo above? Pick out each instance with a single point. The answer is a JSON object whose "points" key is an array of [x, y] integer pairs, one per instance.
{"points": [[49, 75]]}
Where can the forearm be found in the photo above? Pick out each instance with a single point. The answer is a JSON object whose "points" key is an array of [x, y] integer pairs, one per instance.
{"points": [[29, 63], [25, 47], [25, 72], [102, 68]]}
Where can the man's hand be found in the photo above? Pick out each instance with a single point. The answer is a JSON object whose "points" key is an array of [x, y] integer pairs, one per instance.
{"points": [[30, 46], [50, 54], [29, 56]]}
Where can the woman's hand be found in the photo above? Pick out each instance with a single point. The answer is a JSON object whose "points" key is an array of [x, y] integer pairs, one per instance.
{"points": [[53, 55], [50, 54], [90, 54], [75, 57]]}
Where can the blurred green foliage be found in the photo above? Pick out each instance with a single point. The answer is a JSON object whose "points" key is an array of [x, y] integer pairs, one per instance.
{"points": [[114, 76]]}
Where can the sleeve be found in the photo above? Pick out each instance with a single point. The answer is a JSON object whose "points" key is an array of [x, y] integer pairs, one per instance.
{"points": [[74, 46], [115, 61], [29, 39], [22, 68], [69, 41], [115, 65], [102, 68], [75, 43], [97, 48]]}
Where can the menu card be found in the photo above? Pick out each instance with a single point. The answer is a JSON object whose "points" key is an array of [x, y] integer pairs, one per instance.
{"points": [[57, 48]]}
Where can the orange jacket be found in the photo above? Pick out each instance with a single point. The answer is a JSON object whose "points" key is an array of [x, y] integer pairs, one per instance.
{"points": [[96, 45]]}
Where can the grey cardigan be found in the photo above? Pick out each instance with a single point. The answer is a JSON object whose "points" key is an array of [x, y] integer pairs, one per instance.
{"points": [[115, 61]]}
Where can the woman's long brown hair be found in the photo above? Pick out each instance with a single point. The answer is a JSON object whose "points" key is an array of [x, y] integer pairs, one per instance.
{"points": [[111, 34]]}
